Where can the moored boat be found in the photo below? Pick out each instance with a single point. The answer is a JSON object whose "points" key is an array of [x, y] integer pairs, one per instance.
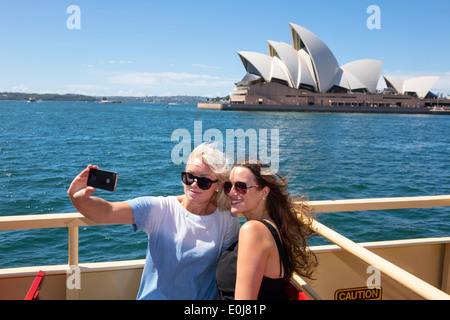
{"points": [[441, 109], [104, 100]]}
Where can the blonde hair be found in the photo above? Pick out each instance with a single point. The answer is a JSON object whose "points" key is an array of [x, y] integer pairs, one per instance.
{"points": [[218, 163]]}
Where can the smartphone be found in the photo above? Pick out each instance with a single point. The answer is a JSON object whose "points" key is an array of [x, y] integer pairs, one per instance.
{"points": [[101, 179]]}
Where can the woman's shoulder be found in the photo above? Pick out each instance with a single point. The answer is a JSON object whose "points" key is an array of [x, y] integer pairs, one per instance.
{"points": [[154, 202], [255, 240], [259, 225], [254, 230]]}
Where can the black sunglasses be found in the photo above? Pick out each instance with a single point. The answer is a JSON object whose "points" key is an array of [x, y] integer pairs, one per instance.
{"points": [[240, 187], [202, 182]]}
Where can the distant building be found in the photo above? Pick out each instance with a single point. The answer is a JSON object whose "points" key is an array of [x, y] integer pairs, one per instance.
{"points": [[307, 73]]}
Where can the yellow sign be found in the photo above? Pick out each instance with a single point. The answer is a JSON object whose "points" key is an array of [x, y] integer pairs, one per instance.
{"points": [[361, 293]]}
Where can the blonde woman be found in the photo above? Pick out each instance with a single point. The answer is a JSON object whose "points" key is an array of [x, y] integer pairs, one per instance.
{"points": [[186, 233]]}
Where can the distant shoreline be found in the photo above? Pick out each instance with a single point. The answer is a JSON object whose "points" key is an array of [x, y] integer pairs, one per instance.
{"points": [[79, 97]]}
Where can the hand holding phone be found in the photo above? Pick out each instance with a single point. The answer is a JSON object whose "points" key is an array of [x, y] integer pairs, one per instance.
{"points": [[101, 179]]}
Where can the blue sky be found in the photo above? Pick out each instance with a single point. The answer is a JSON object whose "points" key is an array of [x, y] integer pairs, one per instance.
{"points": [[188, 47]]}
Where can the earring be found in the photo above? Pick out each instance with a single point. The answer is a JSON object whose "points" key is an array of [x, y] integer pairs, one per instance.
{"points": [[217, 190]]}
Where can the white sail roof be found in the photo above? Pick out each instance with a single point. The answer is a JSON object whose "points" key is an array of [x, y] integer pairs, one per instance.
{"points": [[420, 85], [299, 70], [265, 66], [324, 62], [348, 81], [367, 71], [257, 63]]}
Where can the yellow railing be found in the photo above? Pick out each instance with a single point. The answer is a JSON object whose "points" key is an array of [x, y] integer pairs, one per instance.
{"points": [[73, 221], [57, 220], [403, 277]]}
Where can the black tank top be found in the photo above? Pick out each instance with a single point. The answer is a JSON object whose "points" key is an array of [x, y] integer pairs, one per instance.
{"points": [[271, 289]]}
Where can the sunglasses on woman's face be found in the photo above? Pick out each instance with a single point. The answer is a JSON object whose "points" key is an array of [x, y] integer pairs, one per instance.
{"points": [[202, 182], [240, 187]]}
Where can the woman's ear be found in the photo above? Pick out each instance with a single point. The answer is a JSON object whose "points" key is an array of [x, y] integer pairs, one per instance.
{"points": [[265, 192]]}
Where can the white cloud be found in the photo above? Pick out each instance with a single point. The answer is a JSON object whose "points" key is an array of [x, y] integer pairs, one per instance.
{"points": [[87, 89], [136, 78], [155, 78], [443, 84], [163, 83], [113, 61], [20, 88], [130, 92], [204, 66]]}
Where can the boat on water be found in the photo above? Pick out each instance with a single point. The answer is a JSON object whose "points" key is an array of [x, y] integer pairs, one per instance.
{"points": [[104, 100], [441, 109], [408, 269], [31, 99]]}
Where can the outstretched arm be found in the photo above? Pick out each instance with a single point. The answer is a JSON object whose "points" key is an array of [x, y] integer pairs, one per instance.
{"points": [[97, 209]]}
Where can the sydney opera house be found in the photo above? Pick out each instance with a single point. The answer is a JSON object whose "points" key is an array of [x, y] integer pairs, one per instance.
{"points": [[307, 73]]}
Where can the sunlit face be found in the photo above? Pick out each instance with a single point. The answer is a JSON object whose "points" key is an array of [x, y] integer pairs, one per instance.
{"points": [[250, 204], [192, 192]]}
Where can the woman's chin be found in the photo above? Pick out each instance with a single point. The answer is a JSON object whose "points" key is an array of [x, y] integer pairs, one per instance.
{"points": [[236, 210]]}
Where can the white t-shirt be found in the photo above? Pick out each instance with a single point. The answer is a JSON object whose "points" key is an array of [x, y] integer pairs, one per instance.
{"points": [[183, 248]]}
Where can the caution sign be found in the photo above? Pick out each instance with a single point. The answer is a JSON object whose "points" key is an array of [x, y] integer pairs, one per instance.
{"points": [[360, 293]]}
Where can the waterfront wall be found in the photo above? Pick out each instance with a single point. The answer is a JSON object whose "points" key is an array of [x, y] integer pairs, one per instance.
{"points": [[316, 108]]}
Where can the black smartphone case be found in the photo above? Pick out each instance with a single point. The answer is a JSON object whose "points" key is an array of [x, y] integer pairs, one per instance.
{"points": [[101, 179]]}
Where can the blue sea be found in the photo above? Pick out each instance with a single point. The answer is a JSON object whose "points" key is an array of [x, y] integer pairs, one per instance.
{"points": [[44, 145]]}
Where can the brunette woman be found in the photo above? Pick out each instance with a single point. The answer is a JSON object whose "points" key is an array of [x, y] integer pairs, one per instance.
{"points": [[272, 243]]}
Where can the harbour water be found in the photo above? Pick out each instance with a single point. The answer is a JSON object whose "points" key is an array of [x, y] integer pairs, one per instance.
{"points": [[44, 145]]}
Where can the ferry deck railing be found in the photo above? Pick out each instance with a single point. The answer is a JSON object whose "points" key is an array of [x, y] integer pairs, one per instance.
{"points": [[73, 221]]}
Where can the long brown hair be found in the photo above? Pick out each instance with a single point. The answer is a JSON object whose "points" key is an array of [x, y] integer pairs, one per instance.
{"points": [[293, 220]]}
